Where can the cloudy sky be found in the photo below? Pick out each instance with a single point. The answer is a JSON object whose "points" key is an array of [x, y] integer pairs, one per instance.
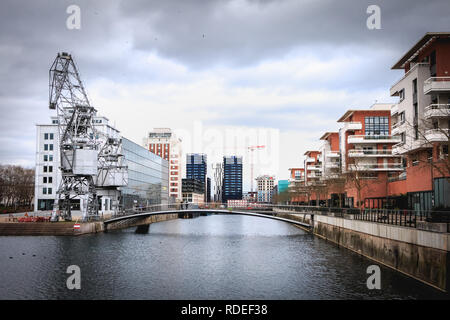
{"points": [[224, 74]]}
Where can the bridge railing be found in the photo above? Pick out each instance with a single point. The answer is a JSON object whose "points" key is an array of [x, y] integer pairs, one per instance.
{"points": [[407, 218]]}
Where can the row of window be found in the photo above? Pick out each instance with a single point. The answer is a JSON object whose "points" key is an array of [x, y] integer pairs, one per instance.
{"points": [[47, 179], [47, 190], [48, 136], [48, 168], [48, 157], [48, 147]]}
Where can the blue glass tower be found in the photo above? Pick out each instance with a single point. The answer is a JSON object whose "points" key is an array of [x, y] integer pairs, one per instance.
{"points": [[232, 178]]}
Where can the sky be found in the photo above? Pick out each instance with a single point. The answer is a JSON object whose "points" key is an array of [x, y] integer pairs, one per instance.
{"points": [[222, 74]]}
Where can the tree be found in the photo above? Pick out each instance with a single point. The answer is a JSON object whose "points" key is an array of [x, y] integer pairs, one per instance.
{"points": [[16, 186]]}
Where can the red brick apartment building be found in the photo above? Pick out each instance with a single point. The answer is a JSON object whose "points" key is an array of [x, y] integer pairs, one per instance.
{"points": [[392, 156]]}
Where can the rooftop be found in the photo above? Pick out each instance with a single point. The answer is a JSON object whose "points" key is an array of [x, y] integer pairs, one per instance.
{"points": [[425, 41]]}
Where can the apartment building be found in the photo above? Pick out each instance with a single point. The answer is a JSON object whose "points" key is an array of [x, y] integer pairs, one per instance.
{"points": [[331, 164], [164, 143], [265, 188], [366, 154], [232, 178], [296, 184], [313, 167], [421, 120]]}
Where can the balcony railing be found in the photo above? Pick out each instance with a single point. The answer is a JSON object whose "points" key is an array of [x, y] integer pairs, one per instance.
{"points": [[332, 164], [437, 110], [398, 124], [437, 135], [353, 126], [313, 167], [373, 139], [376, 167], [436, 84], [332, 154], [362, 153]]}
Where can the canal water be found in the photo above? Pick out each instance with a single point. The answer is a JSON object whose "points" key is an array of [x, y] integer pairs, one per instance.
{"points": [[209, 257]]}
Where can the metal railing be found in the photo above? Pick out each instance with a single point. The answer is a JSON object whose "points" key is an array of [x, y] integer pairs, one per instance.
{"points": [[362, 152], [398, 217]]}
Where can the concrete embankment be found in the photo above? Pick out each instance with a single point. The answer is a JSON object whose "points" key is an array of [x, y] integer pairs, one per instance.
{"points": [[416, 252], [67, 228]]}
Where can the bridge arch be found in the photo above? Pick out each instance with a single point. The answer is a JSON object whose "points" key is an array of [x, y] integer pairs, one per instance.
{"points": [[213, 211]]}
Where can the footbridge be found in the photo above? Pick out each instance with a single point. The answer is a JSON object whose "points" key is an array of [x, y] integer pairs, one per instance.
{"points": [[143, 217]]}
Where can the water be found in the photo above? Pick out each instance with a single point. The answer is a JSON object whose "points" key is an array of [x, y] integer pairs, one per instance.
{"points": [[211, 257]]}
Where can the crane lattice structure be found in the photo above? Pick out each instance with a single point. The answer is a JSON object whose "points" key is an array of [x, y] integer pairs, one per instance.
{"points": [[251, 149], [77, 140]]}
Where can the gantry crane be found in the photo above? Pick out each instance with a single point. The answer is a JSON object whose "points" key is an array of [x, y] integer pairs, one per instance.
{"points": [[77, 140], [251, 149]]}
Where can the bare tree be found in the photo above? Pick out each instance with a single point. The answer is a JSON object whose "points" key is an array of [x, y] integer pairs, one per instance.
{"points": [[16, 186]]}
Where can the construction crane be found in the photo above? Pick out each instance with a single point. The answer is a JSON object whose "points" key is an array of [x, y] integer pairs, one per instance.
{"points": [[77, 140], [251, 149]]}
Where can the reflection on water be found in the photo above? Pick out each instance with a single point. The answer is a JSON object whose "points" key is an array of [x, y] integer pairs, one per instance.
{"points": [[212, 257]]}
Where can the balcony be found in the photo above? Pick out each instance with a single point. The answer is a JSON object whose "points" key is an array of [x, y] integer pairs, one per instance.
{"points": [[332, 165], [396, 128], [437, 135], [394, 109], [373, 139], [376, 167], [437, 111], [359, 153], [309, 159], [352, 126], [436, 84], [332, 154], [313, 167]]}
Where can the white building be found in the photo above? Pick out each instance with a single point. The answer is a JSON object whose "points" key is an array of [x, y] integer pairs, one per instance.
{"points": [[265, 185], [48, 175], [164, 143]]}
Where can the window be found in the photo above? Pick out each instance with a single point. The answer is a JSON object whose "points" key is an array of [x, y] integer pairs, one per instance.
{"points": [[50, 168], [51, 136], [44, 180], [45, 157], [44, 190], [50, 157], [401, 94], [403, 137], [49, 190], [50, 179], [45, 147], [45, 136], [375, 126], [45, 168], [51, 147]]}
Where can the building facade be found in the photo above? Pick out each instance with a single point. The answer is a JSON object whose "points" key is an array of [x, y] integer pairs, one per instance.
{"points": [[148, 182], [218, 181], [232, 178], [421, 121], [164, 143], [193, 191], [265, 187], [48, 174], [197, 168]]}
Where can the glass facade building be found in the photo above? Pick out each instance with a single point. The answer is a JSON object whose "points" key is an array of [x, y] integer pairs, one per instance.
{"points": [[197, 168], [148, 177], [232, 178]]}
